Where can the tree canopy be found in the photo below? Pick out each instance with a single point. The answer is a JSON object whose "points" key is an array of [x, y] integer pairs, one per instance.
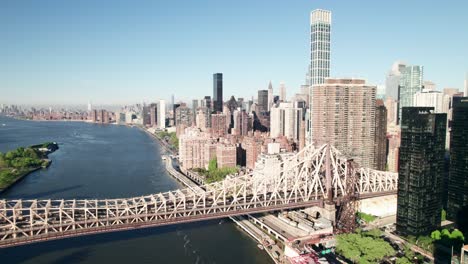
{"points": [[363, 247]]}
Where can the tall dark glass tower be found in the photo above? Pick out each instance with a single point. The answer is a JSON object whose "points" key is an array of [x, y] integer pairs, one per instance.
{"points": [[458, 176], [263, 101], [421, 163], [218, 92]]}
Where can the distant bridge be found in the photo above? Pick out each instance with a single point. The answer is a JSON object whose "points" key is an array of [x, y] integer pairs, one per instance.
{"points": [[309, 178]]}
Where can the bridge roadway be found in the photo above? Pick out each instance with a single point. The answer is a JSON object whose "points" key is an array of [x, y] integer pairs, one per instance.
{"points": [[163, 222]]}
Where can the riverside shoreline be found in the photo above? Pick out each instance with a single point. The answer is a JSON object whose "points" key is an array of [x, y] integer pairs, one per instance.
{"points": [[31, 170]]}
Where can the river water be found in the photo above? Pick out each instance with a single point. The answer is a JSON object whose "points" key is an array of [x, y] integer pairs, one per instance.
{"points": [[108, 161]]}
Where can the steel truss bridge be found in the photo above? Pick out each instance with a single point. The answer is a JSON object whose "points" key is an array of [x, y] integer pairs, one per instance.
{"points": [[308, 178]]}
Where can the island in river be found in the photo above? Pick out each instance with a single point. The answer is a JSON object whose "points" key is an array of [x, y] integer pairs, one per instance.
{"points": [[16, 164]]}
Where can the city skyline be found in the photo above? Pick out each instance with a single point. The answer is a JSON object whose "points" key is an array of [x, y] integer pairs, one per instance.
{"points": [[54, 56]]}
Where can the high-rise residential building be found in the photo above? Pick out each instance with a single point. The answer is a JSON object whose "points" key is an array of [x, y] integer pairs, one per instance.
{"points": [[253, 148], [411, 82], [270, 96], [218, 125], [343, 115], [102, 116], [174, 108], [153, 115], [218, 92], [320, 29], [392, 81], [421, 165], [192, 149], [162, 114], [94, 115], [241, 122], [449, 94], [206, 102], [203, 118], [458, 175], [282, 92], [320, 34], [195, 105], [262, 101], [183, 116], [226, 155], [380, 150], [391, 105], [285, 120], [145, 115], [394, 137], [89, 106], [430, 98]]}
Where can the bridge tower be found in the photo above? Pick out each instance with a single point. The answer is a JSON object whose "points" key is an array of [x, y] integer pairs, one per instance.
{"points": [[329, 210], [347, 208]]}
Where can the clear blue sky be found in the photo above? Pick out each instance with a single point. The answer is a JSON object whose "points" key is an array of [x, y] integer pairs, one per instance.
{"points": [[129, 51]]}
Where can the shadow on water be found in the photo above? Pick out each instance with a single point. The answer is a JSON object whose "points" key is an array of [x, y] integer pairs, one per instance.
{"points": [[84, 243], [45, 194], [74, 257]]}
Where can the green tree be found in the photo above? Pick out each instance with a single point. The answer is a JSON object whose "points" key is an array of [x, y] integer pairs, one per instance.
{"points": [[373, 233], [360, 248], [409, 254], [213, 164], [457, 235], [445, 233], [443, 215], [436, 235], [403, 261]]}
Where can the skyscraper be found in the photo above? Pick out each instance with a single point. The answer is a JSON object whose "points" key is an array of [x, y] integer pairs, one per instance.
{"points": [[430, 99], [206, 102], [320, 27], [282, 92], [421, 164], [195, 105], [343, 115], [218, 92], [411, 82], [162, 114], [262, 101], [285, 120], [458, 180], [320, 34], [392, 81], [153, 115], [380, 151], [270, 96], [218, 125]]}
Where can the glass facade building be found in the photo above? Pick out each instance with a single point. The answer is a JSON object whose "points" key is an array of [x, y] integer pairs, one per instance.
{"points": [[218, 92], [421, 164], [458, 176], [263, 101], [411, 82], [320, 32], [320, 27]]}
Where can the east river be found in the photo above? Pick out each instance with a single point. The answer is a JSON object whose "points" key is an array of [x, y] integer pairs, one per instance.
{"points": [[108, 161]]}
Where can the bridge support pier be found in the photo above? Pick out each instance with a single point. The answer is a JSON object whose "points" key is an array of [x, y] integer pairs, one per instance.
{"points": [[329, 211]]}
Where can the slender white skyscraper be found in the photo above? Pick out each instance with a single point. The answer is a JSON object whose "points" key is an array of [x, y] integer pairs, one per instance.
{"points": [[270, 96], [320, 32], [282, 91], [89, 106], [162, 114]]}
